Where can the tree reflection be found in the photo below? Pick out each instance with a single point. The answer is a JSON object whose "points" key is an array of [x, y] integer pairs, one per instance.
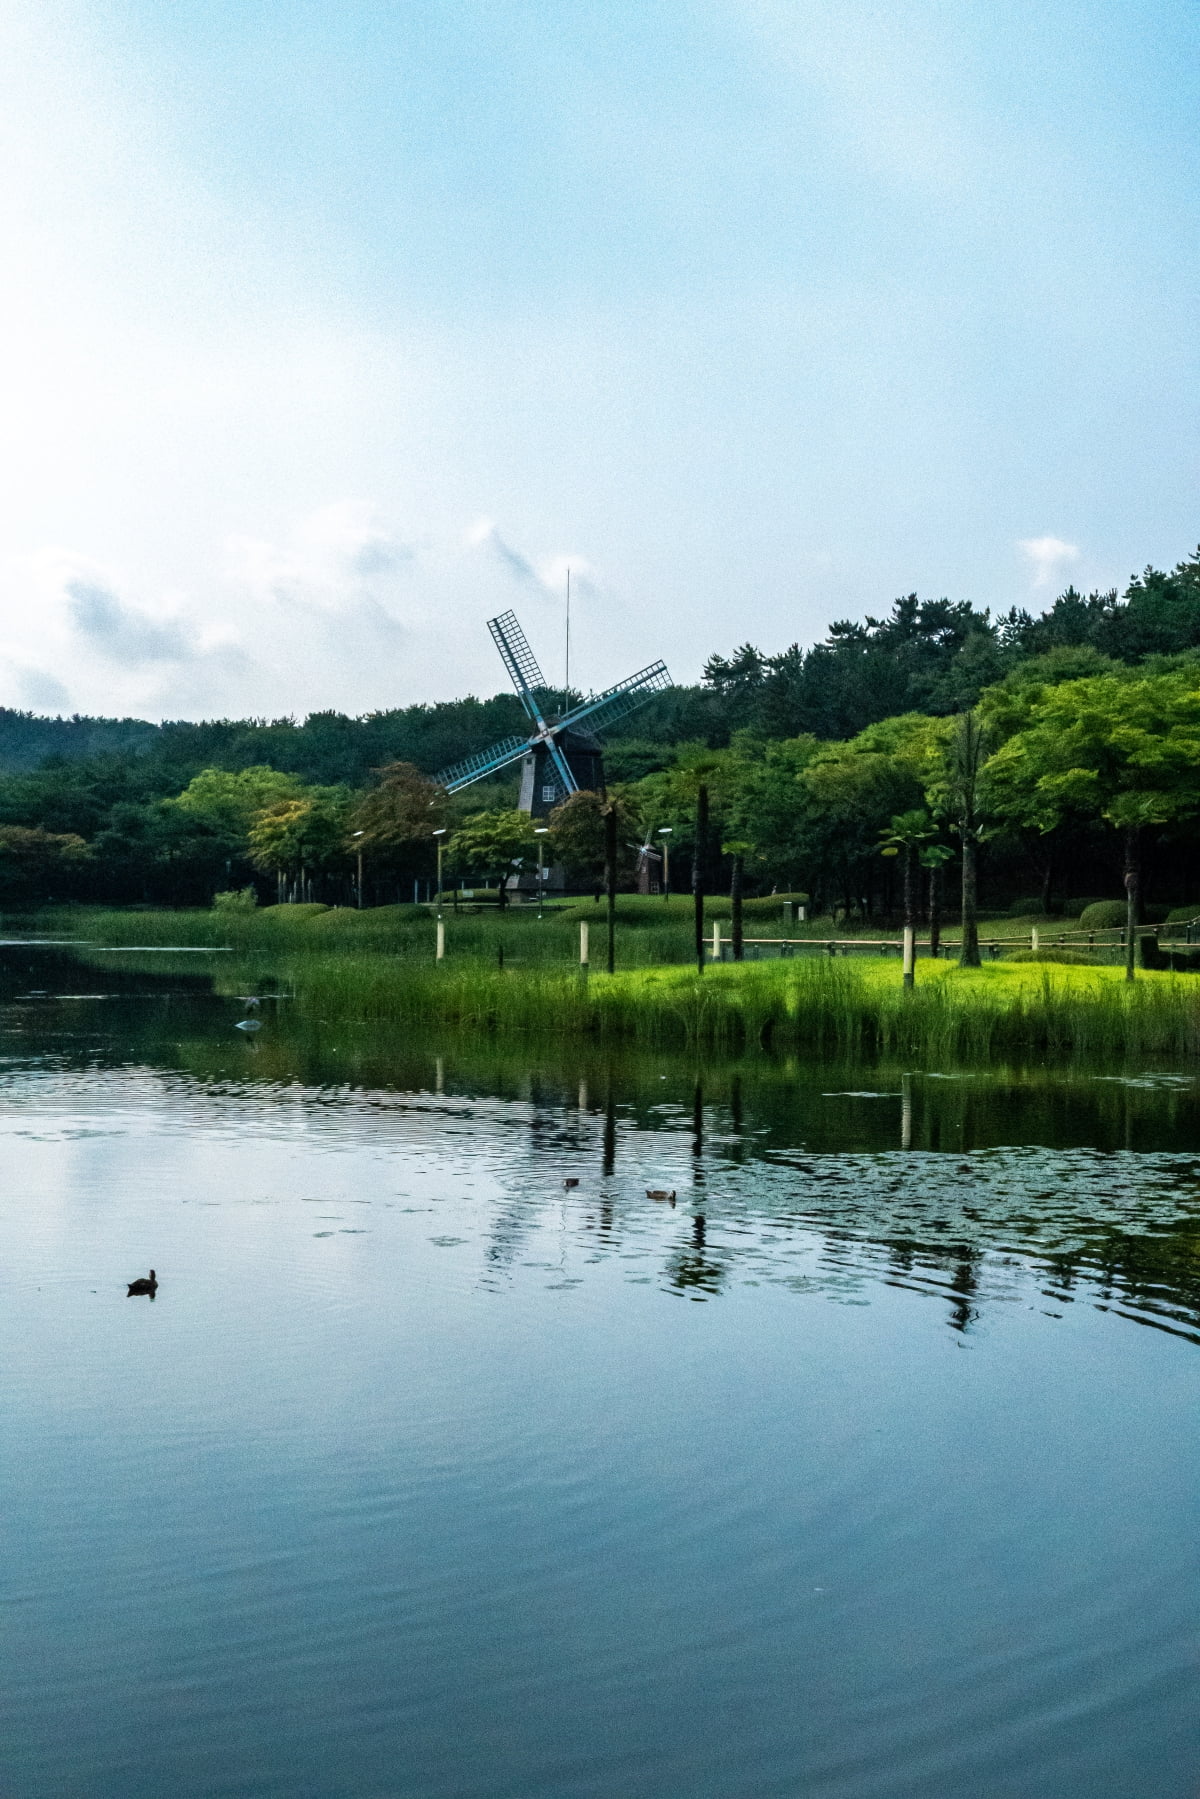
{"points": [[691, 1269]]}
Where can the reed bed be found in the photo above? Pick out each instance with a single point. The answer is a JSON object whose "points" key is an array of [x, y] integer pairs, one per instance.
{"points": [[834, 1009], [379, 969]]}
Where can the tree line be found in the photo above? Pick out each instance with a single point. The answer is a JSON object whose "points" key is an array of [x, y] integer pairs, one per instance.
{"points": [[838, 770]]}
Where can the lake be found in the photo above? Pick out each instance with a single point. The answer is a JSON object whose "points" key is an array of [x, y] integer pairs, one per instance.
{"points": [[865, 1467]]}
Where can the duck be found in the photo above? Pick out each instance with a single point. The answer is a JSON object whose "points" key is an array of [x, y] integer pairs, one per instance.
{"points": [[143, 1285], [660, 1193]]}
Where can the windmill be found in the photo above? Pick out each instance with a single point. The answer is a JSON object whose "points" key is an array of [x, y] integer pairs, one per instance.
{"points": [[648, 866], [560, 757]]}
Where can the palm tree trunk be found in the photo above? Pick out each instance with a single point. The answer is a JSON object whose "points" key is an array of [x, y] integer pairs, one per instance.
{"points": [[935, 910], [735, 904], [610, 880], [969, 954], [1132, 897], [698, 858]]}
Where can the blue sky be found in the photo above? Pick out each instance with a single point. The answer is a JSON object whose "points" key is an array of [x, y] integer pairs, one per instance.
{"points": [[331, 329]]}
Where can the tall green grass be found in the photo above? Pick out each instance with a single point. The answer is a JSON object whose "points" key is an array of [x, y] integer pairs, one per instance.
{"points": [[805, 1007], [378, 966]]}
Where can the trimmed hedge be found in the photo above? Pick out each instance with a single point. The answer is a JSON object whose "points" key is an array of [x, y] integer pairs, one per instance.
{"points": [[1102, 915]]}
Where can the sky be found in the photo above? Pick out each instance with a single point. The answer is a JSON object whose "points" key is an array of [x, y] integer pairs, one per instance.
{"points": [[330, 328]]}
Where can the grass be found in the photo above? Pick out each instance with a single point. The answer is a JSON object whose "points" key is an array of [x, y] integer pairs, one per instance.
{"points": [[377, 966]]}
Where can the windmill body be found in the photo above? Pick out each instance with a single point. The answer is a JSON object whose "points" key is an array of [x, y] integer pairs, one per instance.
{"points": [[561, 756], [542, 785]]}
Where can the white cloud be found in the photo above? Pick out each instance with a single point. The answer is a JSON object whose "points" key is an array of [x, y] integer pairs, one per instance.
{"points": [[1048, 555]]}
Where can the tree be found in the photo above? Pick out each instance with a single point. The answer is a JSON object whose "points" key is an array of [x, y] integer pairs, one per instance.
{"points": [[857, 788], [228, 803], [298, 837], [405, 807], [959, 791], [906, 835], [578, 833], [491, 843], [1121, 748], [37, 865]]}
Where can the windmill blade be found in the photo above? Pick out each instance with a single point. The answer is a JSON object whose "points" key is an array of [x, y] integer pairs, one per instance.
{"points": [[519, 660], [605, 708], [484, 762], [561, 764]]}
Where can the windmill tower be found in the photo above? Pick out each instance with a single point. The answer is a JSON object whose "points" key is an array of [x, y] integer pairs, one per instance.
{"points": [[561, 757]]}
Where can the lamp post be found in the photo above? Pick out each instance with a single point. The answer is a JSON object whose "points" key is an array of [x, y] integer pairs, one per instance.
{"points": [[359, 835], [539, 832], [664, 832], [439, 834]]}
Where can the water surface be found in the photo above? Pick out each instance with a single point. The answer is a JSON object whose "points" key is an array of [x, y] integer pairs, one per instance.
{"points": [[865, 1468]]}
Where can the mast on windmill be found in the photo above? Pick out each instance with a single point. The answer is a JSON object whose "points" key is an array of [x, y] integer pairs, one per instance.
{"points": [[560, 756]]}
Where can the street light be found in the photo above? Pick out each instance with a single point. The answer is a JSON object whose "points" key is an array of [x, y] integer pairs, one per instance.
{"points": [[439, 834], [539, 832], [664, 832], [359, 834]]}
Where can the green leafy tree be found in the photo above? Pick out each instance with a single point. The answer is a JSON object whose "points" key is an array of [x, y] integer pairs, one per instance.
{"points": [[958, 790], [301, 836], [577, 833], [37, 865], [491, 844], [227, 804], [855, 789], [1122, 749], [404, 808], [906, 835]]}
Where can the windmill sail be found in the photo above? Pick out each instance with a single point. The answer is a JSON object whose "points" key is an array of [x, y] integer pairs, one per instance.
{"points": [[519, 660], [484, 762], [605, 708]]}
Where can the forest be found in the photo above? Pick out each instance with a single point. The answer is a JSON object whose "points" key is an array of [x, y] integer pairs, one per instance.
{"points": [[1061, 752]]}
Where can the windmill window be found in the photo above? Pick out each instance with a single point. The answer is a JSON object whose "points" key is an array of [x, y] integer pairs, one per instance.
{"points": [[548, 794]]}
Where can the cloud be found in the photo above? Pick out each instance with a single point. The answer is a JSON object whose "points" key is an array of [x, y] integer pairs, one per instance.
{"points": [[40, 691], [1048, 555], [484, 534], [548, 573], [122, 632], [337, 558]]}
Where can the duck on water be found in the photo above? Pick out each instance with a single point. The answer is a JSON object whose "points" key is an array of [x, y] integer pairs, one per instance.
{"points": [[143, 1285]]}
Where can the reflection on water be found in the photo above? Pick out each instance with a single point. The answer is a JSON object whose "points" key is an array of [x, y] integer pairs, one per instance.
{"points": [[418, 1478]]}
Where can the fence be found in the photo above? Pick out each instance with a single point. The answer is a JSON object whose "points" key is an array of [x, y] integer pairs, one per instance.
{"points": [[1103, 945]]}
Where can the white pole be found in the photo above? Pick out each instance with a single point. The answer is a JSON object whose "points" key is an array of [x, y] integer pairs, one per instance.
{"points": [[583, 943], [1033, 939], [441, 940], [908, 955], [716, 943]]}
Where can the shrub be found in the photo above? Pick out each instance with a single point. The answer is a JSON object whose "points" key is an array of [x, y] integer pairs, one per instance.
{"points": [[235, 899], [1102, 915], [1025, 908], [1183, 914]]}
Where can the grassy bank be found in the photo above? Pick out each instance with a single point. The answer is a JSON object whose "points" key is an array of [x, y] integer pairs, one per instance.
{"points": [[381, 969]]}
